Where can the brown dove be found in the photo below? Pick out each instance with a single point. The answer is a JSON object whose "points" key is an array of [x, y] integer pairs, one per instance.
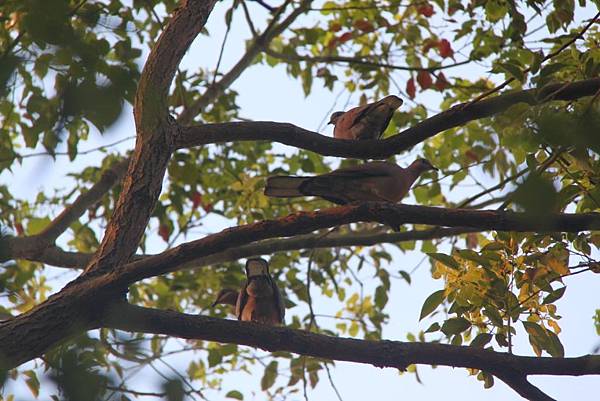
{"points": [[373, 181], [365, 122], [259, 299]]}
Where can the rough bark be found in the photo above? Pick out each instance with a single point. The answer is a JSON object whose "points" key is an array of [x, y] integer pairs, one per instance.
{"points": [[76, 260], [75, 308], [385, 213]]}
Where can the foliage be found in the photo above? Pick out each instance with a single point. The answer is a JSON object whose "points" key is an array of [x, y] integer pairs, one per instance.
{"points": [[68, 69]]}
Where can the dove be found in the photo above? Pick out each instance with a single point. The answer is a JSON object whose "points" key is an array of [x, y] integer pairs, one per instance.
{"points": [[372, 181], [259, 300], [365, 122]]}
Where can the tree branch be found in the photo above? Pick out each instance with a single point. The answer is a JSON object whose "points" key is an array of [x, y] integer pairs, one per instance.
{"points": [[76, 260], [84, 201], [76, 307], [357, 61], [394, 354], [289, 134], [155, 131], [32, 247], [524, 388], [384, 213], [257, 46]]}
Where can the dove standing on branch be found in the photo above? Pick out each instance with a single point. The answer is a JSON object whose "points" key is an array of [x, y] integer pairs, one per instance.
{"points": [[365, 122], [373, 181], [259, 299]]}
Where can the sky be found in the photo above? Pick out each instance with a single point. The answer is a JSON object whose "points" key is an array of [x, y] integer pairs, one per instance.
{"points": [[269, 94]]}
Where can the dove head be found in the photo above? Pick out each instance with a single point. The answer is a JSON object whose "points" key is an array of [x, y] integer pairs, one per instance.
{"points": [[422, 165], [335, 116], [257, 267]]}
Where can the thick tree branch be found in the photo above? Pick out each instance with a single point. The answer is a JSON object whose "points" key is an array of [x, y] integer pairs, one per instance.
{"points": [[385, 213], [57, 257], [155, 132], [257, 46], [289, 134], [76, 306], [395, 354]]}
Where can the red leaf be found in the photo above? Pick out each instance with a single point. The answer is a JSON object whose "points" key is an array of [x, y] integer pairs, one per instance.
{"points": [[410, 88], [345, 37], [207, 207], [364, 25], [424, 79], [19, 228], [472, 155], [164, 232], [441, 83], [196, 199], [445, 48], [336, 27], [425, 10], [452, 10]]}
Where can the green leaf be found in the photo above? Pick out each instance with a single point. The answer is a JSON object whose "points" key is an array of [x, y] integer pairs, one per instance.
{"points": [[474, 256], [405, 275], [431, 303], [269, 376], [513, 70], [33, 383], [434, 327], [36, 225], [455, 325], [481, 340], [381, 296], [536, 195], [236, 395], [494, 315], [554, 346], [214, 357], [444, 259], [554, 295]]}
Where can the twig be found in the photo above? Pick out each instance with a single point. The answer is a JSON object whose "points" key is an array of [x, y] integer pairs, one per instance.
{"points": [[358, 61], [549, 56]]}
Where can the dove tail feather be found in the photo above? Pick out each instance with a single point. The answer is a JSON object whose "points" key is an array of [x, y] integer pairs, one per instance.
{"points": [[284, 186]]}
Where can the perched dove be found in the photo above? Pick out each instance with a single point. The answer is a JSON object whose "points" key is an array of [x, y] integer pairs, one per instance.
{"points": [[373, 181], [365, 122], [259, 299]]}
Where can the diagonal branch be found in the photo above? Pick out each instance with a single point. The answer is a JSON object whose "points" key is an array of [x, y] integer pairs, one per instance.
{"points": [[155, 131], [258, 45], [395, 354], [33, 246], [289, 134], [84, 201], [524, 388], [385, 213]]}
